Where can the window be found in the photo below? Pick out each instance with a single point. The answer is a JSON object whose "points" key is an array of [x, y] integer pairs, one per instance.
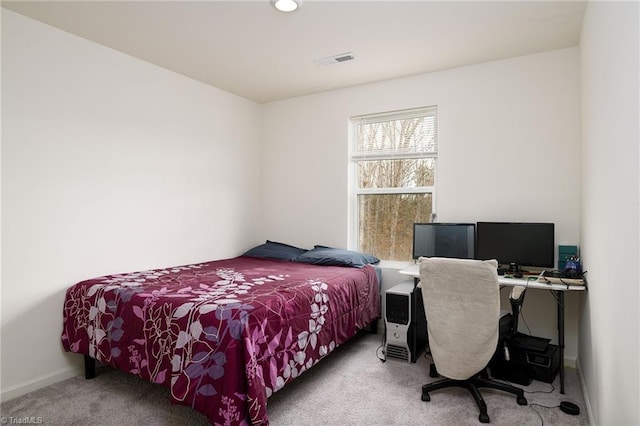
{"points": [[393, 164]]}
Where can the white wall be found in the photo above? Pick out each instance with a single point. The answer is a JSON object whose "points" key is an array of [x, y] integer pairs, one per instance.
{"points": [[610, 319], [109, 164], [508, 140]]}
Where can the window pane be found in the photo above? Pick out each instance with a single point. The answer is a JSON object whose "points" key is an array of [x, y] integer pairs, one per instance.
{"points": [[397, 135], [408, 173], [386, 223]]}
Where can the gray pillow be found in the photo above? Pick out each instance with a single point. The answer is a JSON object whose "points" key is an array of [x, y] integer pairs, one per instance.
{"points": [[322, 255], [275, 250]]}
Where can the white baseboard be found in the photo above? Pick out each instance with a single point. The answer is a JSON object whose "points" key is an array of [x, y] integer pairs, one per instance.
{"points": [[23, 388], [587, 402], [570, 362]]}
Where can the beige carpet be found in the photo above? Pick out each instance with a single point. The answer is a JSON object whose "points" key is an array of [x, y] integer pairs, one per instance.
{"points": [[350, 387]]}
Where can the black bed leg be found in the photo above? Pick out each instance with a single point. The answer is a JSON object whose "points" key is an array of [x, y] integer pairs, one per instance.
{"points": [[89, 367], [373, 327]]}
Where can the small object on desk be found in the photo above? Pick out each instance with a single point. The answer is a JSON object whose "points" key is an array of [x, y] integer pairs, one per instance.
{"points": [[556, 277], [573, 268], [564, 254], [552, 274]]}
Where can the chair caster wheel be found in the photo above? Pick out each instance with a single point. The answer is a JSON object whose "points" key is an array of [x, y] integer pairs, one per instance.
{"points": [[522, 400], [432, 371], [426, 397], [484, 418]]}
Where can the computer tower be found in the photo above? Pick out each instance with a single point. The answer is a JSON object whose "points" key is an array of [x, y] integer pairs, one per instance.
{"points": [[405, 323]]}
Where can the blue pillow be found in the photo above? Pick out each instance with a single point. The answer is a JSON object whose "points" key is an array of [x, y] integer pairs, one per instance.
{"points": [[275, 250], [322, 255]]}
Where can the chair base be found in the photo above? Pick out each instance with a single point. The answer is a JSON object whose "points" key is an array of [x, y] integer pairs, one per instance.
{"points": [[472, 385]]}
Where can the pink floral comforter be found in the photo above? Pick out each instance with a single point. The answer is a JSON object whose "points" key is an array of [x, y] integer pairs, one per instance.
{"points": [[221, 335]]}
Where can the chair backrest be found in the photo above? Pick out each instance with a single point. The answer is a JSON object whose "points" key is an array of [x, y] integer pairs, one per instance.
{"points": [[462, 303]]}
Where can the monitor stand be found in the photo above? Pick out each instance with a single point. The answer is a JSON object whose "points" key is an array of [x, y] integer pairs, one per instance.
{"points": [[515, 270]]}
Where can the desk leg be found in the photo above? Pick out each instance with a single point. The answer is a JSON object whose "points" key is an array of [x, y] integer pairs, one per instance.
{"points": [[560, 298]]}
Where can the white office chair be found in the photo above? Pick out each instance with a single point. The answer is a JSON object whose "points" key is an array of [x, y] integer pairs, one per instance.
{"points": [[462, 304]]}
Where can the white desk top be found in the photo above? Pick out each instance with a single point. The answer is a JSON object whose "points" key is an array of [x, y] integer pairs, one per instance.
{"points": [[529, 282]]}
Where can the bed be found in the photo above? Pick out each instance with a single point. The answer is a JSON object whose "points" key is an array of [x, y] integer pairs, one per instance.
{"points": [[221, 335]]}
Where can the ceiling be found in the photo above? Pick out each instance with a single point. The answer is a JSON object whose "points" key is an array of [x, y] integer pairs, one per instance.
{"points": [[248, 48]]}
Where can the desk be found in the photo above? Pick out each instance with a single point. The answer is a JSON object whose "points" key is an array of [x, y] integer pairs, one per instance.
{"points": [[557, 289]]}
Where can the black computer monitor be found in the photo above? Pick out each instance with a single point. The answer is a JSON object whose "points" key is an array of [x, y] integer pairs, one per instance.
{"points": [[455, 240], [516, 243]]}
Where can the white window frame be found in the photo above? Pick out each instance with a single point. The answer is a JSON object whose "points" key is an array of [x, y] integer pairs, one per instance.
{"points": [[355, 156]]}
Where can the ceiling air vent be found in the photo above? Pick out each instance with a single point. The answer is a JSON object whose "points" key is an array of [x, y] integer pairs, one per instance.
{"points": [[336, 59]]}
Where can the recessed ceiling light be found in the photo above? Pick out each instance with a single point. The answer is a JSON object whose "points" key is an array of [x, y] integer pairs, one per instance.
{"points": [[286, 5]]}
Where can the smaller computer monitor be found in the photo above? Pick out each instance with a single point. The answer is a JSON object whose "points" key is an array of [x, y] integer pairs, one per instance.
{"points": [[455, 240]]}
